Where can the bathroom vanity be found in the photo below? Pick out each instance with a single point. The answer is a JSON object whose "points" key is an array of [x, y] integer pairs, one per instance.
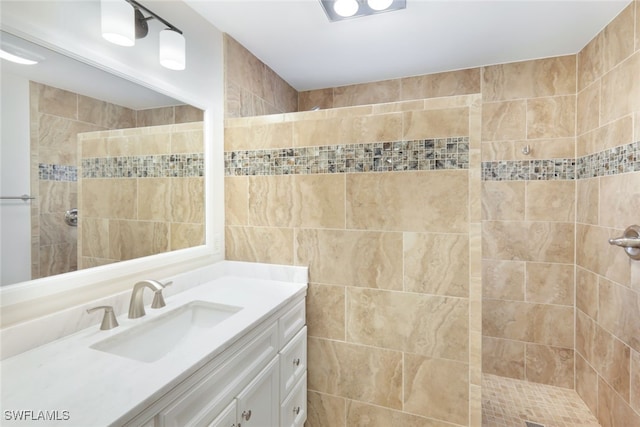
{"points": [[229, 352]]}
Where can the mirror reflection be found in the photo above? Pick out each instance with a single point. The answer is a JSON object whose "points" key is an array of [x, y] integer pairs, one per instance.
{"points": [[109, 166]]}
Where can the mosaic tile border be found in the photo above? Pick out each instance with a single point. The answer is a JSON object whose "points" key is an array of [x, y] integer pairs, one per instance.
{"points": [[424, 154], [61, 173], [617, 160], [152, 166]]}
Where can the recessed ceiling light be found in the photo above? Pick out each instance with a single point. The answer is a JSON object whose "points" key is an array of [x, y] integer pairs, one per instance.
{"points": [[338, 10], [13, 52], [346, 8], [379, 4]]}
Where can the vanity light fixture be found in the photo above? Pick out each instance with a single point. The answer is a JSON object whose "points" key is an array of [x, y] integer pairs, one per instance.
{"points": [[18, 55], [338, 10], [123, 21]]}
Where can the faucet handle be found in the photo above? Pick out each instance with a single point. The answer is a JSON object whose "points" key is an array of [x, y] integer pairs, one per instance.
{"points": [[108, 320], [158, 298]]}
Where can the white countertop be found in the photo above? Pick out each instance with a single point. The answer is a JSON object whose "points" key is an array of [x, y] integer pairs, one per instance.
{"points": [[96, 388]]}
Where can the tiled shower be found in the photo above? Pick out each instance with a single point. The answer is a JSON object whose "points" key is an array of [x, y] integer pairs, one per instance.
{"points": [[427, 272]]}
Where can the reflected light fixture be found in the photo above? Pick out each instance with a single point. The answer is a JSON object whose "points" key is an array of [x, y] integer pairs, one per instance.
{"points": [[17, 54], [123, 21], [338, 10]]}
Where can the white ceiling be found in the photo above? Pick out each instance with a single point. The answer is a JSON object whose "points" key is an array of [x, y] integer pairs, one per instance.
{"points": [[296, 40]]}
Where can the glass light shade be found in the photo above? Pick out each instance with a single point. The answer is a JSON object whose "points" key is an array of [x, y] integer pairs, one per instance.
{"points": [[172, 50], [379, 4], [118, 24], [346, 8], [16, 58]]}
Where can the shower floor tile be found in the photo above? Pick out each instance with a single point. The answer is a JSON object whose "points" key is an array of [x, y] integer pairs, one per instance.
{"points": [[512, 403]]}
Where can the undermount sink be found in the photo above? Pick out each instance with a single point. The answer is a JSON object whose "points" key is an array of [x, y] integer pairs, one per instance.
{"points": [[155, 338]]}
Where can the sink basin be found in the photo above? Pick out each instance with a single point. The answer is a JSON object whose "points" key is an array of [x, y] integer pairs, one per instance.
{"points": [[155, 338]]}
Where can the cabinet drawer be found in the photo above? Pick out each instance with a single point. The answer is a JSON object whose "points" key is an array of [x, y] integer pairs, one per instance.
{"points": [[293, 411], [227, 418], [293, 362], [201, 403], [292, 322]]}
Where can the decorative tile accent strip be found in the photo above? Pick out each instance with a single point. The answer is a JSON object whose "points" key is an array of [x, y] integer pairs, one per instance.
{"points": [[48, 172], [153, 166], [622, 159], [425, 154], [529, 170]]}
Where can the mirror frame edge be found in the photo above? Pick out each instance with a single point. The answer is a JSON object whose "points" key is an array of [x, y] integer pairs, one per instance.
{"points": [[27, 300]]}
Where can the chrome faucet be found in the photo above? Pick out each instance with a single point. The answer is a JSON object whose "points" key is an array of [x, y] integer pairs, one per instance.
{"points": [[136, 305]]}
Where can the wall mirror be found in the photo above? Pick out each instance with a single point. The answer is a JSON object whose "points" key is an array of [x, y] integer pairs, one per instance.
{"points": [[172, 126], [98, 193]]}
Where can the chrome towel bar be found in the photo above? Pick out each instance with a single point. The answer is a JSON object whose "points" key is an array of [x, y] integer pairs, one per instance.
{"points": [[24, 197]]}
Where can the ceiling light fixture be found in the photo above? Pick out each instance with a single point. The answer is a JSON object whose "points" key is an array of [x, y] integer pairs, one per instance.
{"points": [[379, 4], [346, 8], [338, 10], [123, 21], [16, 58]]}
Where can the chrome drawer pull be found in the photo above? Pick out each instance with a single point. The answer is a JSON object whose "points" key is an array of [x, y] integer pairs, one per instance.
{"points": [[246, 415], [296, 410], [296, 361]]}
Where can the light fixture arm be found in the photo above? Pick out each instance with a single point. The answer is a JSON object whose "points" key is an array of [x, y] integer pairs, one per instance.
{"points": [[137, 5]]}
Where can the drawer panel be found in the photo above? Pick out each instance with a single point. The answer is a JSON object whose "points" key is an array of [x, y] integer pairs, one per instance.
{"points": [[293, 411], [293, 362], [201, 403], [292, 322]]}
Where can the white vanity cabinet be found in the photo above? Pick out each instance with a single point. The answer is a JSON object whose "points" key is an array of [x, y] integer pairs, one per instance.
{"points": [[259, 381]]}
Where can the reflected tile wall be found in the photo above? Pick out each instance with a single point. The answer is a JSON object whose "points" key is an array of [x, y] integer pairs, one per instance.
{"points": [[141, 192], [395, 290], [57, 116]]}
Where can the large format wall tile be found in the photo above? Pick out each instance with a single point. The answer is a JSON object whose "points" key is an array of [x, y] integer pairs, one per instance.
{"points": [[597, 255], [587, 292], [539, 149], [374, 199], [586, 383], [588, 109], [503, 279], [503, 357], [135, 239], [635, 381], [550, 201], [534, 323], [186, 235], [528, 79], [361, 414], [105, 114], [613, 411], [109, 198], [325, 410], [461, 82], [619, 312], [528, 241], [551, 117], [271, 200], [259, 244], [432, 326], [326, 306], [57, 102], [503, 200], [358, 372], [550, 365], [368, 93], [618, 36], [619, 200], [504, 120], [621, 90], [436, 123], [587, 198], [351, 258], [319, 201], [436, 388], [436, 264], [236, 200], [550, 283]]}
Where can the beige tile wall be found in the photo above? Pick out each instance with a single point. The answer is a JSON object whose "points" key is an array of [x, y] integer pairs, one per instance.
{"points": [[57, 116], [607, 281], [528, 229], [395, 282], [168, 116], [125, 218], [251, 87]]}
